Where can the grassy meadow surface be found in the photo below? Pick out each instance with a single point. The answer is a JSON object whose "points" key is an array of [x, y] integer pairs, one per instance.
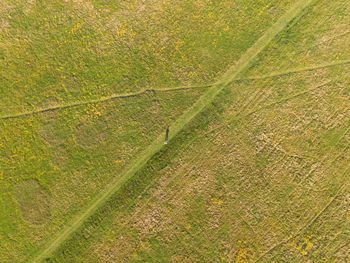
{"points": [[261, 175], [59, 51], [54, 163]]}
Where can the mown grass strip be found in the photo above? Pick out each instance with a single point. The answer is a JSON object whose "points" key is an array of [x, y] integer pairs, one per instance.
{"points": [[263, 41], [175, 128]]}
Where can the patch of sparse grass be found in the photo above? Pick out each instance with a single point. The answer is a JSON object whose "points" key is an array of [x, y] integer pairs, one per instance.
{"points": [[32, 201]]}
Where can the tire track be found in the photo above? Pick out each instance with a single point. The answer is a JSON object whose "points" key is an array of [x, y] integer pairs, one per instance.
{"points": [[306, 226], [239, 116], [128, 95], [100, 100], [279, 74]]}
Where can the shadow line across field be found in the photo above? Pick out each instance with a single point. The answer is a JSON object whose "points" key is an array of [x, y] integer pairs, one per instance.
{"points": [[52, 245]]}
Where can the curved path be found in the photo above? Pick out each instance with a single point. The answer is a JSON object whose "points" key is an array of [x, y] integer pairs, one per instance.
{"points": [[279, 74], [128, 95], [100, 100]]}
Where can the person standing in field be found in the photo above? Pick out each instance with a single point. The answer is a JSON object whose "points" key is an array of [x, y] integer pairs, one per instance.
{"points": [[166, 135]]}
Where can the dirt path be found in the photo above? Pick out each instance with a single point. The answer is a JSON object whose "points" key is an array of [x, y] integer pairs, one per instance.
{"points": [[279, 74], [100, 100], [127, 95], [179, 124]]}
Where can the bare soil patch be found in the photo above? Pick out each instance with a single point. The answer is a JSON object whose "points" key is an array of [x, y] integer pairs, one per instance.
{"points": [[33, 201]]}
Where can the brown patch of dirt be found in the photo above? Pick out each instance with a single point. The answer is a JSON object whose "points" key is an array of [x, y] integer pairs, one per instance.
{"points": [[81, 3], [47, 132], [275, 11], [116, 251], [59, 157], [91, 133], [5, 8], [33, 201], [29, 6], [48, 102], [151, 221]]}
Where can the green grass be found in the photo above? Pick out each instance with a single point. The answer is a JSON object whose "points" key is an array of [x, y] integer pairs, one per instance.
{"points": [[256, 169], [60, 62], [61, 52], [74, 161], [175, 128], [268, 184]]}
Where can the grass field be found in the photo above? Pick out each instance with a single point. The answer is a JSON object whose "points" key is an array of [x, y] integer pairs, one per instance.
{"points": [[257, 168], [63, 51]]}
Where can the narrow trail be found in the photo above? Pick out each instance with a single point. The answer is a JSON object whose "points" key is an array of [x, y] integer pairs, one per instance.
{"points": [[128, 95], [279, 74], [58, 239], [100, 100]]}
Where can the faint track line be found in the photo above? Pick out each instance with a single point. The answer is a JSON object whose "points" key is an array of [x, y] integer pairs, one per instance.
{"points": [[279, 74], [238, 118], [287, 98], [100, 100], [307, 225], [336, 37]]}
